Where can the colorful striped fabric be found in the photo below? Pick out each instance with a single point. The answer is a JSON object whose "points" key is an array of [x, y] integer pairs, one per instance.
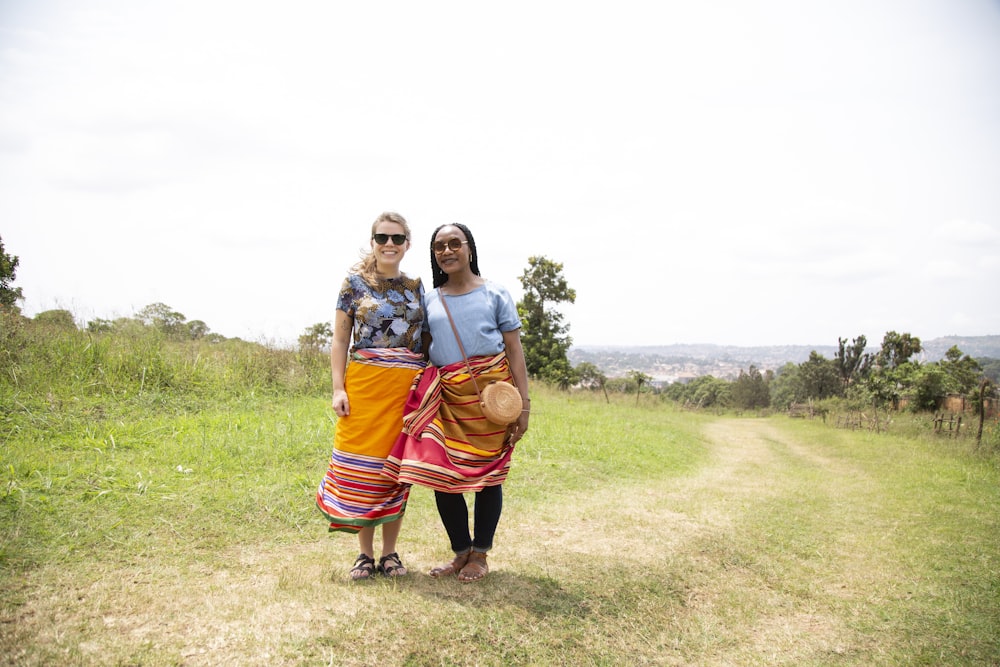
{"points": [[354, 493], [447, 444], [393, 357]]}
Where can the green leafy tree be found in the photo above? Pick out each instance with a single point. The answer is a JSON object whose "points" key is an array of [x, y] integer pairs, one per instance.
{"points": [[819, 376], [962, 372], [929, 386], [893, 372], [750, 391], [545, 336], [161, 317], [316, 337], [708, 391], [638, 379], [619, 385], [991, 368], [197, 329], [852, 361], [786, 387], [897, 349], [591, 377], [9, 295], [883, 390]]}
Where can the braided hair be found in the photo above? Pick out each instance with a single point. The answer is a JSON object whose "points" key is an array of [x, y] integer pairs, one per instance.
{"points": [[440, 277]]}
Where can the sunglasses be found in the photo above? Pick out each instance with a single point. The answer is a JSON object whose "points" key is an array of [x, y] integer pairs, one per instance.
{"points": [[382, 239], [451, 244]]}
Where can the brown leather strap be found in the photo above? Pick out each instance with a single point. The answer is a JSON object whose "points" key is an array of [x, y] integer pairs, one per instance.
{"points": [[461, 347]]}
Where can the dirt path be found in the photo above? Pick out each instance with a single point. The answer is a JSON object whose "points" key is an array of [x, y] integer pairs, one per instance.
{"points": [[704, 536], [750, 463]]}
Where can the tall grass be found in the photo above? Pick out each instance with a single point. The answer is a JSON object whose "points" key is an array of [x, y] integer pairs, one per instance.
{"points": [[40, 362], [122, 439]]}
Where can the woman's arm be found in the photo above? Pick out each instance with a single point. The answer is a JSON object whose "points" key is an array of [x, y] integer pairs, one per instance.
{"points": [[519, 369], [342, 326]]}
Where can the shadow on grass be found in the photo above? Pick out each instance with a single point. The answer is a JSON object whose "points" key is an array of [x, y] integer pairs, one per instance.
{"points": [[540, 596]]}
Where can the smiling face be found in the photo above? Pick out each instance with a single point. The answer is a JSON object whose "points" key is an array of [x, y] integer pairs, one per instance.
{"points": [[451, 250], [389, 254]]}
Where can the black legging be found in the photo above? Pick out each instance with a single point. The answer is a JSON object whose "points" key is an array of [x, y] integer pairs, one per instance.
{"points": [[455, 516]]}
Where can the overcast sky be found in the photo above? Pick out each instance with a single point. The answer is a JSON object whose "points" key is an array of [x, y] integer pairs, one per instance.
{"points": [[747, 173]]}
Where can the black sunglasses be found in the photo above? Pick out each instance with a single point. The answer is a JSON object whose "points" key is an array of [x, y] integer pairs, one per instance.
{"points": [[452, 244], [382, 239]]}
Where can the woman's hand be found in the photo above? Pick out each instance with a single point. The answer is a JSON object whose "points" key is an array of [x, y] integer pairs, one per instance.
{"points": [[340, 403], [517, 430]]}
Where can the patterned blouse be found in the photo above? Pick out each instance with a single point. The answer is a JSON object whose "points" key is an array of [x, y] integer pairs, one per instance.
{"points": [[390, 315]]}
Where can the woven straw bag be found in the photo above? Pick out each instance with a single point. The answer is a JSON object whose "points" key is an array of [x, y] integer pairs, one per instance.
{"points": [[501, 402]]}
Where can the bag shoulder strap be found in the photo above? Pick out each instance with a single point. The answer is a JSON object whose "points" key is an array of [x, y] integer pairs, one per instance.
{"points": [[458, 338]]}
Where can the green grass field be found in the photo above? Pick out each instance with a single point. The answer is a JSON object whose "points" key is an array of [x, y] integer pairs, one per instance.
{"points": [[157, 508], [159, 533]]}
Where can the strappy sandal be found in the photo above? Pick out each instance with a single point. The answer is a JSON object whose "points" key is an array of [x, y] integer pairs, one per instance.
{"points": [[475, 569], [453, 567], [364, 568], [391, 566]]}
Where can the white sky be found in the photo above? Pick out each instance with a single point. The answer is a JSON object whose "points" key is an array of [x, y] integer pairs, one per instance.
{"points": [[746, 173]]}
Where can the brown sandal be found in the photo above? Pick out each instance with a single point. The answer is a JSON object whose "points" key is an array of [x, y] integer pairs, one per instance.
{"points": [[475, 569], [451, 568]]}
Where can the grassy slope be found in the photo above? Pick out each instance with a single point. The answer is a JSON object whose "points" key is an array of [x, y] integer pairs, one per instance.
{"points": [[631, 535]]}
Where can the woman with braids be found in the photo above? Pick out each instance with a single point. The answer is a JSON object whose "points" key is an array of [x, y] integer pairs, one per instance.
{"points": [[380, 321], [447, 444]]}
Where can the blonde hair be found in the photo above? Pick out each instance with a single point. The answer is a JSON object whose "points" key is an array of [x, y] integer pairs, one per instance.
{"points": [[367, 268]]}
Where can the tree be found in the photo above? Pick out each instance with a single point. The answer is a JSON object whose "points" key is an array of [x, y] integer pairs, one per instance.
{"points": [[640, 380], [991, 368], [619, 385], [197, 329], [591, 377], [161, 317], [897, 349], [852, 362], [545, 337], [962, 373], [786, 387], [316, 337], [819, 377], [750, 391], [9, 296], [707, 391], [929, 385], [893, 373]]}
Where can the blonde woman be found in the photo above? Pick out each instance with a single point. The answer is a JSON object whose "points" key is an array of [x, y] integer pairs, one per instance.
{"points": [[376, 353]]}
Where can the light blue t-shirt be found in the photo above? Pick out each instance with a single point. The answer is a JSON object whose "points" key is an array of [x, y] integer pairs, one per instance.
{"points": [[481, 317]]}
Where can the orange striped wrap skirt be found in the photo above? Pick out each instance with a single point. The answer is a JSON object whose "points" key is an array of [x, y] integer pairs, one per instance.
{"points": [[354, 494]]}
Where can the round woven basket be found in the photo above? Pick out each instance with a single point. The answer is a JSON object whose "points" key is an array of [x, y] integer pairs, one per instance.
{"points": [[501, 403]]}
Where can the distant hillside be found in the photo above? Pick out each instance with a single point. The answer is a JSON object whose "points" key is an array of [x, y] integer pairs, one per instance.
{"points": [[669, 363], [974, 346]]}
